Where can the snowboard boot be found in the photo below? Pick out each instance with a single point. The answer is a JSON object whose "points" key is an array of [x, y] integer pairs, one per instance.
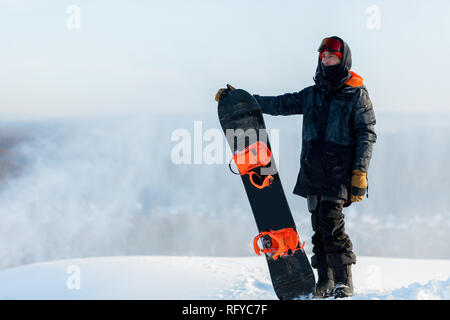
{"points": [[343, 287], [325, 283]]}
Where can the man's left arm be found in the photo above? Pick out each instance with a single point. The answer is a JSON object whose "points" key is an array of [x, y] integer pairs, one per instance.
{"points": [[364, 130]]}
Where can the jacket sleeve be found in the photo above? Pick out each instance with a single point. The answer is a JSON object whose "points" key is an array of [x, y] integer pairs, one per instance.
{"points": [[364, 130], [284, 105]]}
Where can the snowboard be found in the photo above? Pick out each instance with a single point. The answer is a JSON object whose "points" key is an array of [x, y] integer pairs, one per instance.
{"points": [[242, 122]]}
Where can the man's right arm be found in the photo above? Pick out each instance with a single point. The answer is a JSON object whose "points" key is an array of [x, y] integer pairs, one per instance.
{"points": [[284, 105]]}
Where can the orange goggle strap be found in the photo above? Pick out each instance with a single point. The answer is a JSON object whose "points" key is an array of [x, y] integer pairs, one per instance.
{"points": [[254, 156], [283, 241]]}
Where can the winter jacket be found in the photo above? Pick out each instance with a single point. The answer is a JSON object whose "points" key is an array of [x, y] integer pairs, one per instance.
{"points": [[337, 134]]}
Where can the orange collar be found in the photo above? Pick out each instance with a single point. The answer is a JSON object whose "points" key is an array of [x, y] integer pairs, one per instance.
{"points": [[356, 80]]}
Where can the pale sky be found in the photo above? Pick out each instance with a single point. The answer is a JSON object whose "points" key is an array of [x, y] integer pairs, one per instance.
{"points": [[135, 56]]}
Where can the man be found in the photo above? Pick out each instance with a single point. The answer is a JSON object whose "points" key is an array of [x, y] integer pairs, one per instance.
{"points": [[337, 138]]}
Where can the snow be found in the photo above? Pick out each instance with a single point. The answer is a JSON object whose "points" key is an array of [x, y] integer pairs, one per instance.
{"points": [[178, 277]]}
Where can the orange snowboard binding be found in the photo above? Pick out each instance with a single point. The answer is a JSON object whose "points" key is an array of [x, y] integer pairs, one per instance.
{"points": [[254, 156], [278, 243]]}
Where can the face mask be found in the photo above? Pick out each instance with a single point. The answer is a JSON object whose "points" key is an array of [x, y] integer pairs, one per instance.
{"points": [[330, 72]]}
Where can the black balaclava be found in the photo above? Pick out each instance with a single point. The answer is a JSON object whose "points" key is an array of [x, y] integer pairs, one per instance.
{"points": [[332, 78]]}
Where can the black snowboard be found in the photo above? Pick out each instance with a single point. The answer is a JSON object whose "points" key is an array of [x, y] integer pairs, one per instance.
{"points": [[292, 276]]}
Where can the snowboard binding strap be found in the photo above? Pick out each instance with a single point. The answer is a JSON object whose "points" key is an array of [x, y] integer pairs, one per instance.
{"points": [[254, 156], [279, 243]]}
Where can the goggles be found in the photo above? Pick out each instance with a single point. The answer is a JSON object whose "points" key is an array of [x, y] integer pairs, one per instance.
{"points": [[330, 44]]}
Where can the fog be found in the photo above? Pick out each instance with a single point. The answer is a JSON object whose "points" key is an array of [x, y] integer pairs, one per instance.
{"points": [[92, 94], [108, 186]]}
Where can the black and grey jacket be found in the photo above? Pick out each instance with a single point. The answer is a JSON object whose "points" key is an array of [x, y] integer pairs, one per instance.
{"points": [[337, 134]]}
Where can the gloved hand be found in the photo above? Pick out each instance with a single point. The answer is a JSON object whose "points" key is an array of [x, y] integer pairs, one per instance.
{"points": [[358, 185], [222, 90]]}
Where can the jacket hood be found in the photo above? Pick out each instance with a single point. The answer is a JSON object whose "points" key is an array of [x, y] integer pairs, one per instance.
{"points": [[332, 78]]}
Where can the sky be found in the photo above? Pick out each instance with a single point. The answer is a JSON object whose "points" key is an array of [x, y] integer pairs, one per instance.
{"points": [[170, 57]]}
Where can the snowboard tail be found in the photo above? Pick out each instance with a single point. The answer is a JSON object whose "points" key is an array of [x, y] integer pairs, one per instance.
{"points": [[242, 122]]}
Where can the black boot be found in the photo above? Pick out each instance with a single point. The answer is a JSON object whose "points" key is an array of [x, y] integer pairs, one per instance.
{"points": [[343, 284], [325, 283]]}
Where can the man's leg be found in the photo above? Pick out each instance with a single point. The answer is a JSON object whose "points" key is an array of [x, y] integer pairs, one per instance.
{"points": [[336, 244], [325, 283], [313, 208]]}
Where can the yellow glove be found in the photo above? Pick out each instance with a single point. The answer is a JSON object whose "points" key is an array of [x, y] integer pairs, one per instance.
{"points": [[222, 90], [358, 186]]}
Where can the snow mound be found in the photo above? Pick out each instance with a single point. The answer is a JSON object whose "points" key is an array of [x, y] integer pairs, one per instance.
{"points": [[175, 277]]}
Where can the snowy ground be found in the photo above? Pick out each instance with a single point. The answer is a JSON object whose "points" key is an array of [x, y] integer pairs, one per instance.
{"points": [[172, 277]]}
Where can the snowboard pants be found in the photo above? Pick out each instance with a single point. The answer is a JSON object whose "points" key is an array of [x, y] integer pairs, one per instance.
{"points": [[331, 245]]}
